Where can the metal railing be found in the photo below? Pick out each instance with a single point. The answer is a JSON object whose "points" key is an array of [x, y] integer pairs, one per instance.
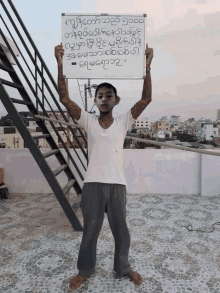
{"points": [[43, 80], [212, 153], [141, 139]]}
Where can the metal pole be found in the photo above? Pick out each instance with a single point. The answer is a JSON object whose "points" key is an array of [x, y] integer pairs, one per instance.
{"points": [[36, 79], [200, 174], [68, 132], [141, 139], [57, 121], [85, 90]]}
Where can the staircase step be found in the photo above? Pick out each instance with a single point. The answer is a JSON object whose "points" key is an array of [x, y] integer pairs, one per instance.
{"points": [[41, 136], [31, 119], [5, 68], [31, 138], [51, 153], [59, 170], [68, 186], [11, 84], [77, 204], [20, 101]]}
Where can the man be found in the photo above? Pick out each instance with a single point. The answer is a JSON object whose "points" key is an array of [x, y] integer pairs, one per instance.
{"points": [[104, 187]]}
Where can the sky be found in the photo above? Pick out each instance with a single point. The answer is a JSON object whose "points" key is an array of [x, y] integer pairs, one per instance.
{"points": [[185, 37]]}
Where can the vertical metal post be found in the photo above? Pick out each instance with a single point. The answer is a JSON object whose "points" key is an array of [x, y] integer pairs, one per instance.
{"points": [[68, 132], [36, 78], [85, 90], [89, 83], [42, 70], [200, 174], [86, 109]]}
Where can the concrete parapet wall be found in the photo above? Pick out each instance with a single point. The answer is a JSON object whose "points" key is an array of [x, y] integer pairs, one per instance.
{"points": [[163, 171]]}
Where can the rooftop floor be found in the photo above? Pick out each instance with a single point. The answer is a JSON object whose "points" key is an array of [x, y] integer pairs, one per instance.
{"points": [[39, 249]]}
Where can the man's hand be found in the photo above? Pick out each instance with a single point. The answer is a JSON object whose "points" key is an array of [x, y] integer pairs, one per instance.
{"points": [[59, 52], [149, 56]]}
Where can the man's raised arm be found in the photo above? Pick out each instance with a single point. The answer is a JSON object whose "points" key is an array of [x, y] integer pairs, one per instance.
{"points": [[71, 106], [140, 106]]}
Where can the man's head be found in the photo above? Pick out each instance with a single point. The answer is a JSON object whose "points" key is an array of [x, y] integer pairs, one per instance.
{"points": [[106, 94]]}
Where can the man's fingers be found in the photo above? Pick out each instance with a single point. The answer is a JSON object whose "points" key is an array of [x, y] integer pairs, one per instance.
{"points": [[149, 56], [59, 47], [151, 51], [148, 51]]}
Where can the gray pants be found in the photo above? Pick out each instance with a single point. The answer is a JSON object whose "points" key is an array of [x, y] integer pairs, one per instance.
{"points": [[98, 198]]}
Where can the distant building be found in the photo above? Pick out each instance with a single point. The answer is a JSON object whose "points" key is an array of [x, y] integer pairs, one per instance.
{"points": [[11, 138], [163, 133], [174, 120], [142, 125], [159, 125], [204, 129]]}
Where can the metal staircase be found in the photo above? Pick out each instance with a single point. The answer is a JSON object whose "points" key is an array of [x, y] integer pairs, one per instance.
{"points": [[9, 104]]}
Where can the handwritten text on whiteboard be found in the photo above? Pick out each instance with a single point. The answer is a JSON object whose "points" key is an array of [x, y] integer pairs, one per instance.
{"points": [[109, 45]]}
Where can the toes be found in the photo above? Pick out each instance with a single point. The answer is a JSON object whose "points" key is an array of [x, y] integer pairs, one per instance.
{"points": [[135, 277]]}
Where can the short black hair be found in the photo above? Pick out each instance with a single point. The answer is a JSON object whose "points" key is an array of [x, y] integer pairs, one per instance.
{"points": [[107, 85]]}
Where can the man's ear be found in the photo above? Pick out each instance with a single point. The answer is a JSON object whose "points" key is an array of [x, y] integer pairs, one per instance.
{"points": [[117, 100]]}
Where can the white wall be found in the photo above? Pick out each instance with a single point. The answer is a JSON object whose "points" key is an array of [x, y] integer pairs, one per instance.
{"points": [[164, 171]]}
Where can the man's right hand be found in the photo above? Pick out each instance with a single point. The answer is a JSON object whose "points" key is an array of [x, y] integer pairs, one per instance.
{"points": [[59, 52]]}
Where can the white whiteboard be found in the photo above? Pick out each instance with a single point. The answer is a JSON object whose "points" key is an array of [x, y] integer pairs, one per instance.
{"points": [[103, 46]]}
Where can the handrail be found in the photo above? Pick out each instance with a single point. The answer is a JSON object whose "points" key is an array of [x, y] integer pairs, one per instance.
{"points": [[44, 69], [36, 66], [57, 121], [142, 140], [175, 146]]}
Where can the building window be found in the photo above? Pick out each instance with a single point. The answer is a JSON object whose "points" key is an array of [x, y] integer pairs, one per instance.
{"points": [[9, 130]]}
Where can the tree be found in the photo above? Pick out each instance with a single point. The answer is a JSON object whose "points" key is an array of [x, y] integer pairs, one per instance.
{"points": [[185, 137], [127, 143], [7, 121], [140, 145]]}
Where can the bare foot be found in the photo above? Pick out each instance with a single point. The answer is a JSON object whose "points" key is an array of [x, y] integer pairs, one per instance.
{"points": [[135, 277], [77, 281]]}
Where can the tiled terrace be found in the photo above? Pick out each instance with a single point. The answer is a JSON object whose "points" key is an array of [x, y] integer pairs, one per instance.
{"points": [[39, 249]]}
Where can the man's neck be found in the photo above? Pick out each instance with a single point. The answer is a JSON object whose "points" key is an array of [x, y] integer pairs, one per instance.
{"points": [[105, 117]]}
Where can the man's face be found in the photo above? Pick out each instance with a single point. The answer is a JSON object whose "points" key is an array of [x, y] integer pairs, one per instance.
{"points": [[105, 96]]}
